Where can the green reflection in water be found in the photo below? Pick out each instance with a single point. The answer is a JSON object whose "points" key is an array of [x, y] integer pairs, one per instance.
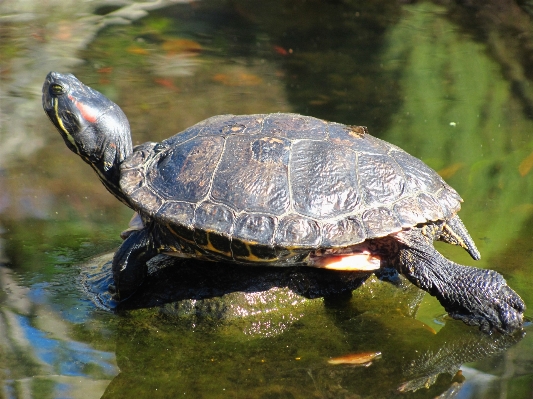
{"points": [[464, 111], [460, 117]]}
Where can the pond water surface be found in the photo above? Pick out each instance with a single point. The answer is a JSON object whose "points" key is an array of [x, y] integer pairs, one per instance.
{"points": [[451, 84]]}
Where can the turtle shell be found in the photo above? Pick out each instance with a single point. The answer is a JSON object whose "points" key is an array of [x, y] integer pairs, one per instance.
{"points": [[281, 181]]}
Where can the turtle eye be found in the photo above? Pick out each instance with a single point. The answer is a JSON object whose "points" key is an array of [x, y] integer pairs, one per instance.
{"points": [[57, 89]]}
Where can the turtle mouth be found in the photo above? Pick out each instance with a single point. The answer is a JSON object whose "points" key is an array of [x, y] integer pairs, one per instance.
{"points": [[50, 105], [48, 100]]}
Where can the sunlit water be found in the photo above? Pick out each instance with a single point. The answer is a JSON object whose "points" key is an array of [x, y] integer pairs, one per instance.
{"points": [[449, 85]]}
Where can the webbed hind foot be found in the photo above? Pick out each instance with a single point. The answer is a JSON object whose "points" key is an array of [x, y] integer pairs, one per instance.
{"points": [[476, 296]]}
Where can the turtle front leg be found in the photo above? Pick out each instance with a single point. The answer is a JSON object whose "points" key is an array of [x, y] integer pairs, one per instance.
{"points": [[129, 262], [476, 296]]}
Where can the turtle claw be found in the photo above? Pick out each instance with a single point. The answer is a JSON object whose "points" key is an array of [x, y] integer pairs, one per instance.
{"points": [[491, 303], [112, 288], [503, 318], [115, 295], [476, 296]]}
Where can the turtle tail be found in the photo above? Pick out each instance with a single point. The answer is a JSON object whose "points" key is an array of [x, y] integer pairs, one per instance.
{"points": [[454, 232]]}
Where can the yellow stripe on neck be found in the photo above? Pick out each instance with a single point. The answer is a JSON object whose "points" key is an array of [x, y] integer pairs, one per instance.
{"points": [[65, 131]]}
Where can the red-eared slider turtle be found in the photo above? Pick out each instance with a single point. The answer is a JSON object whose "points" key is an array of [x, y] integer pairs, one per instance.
{"points": [[280, 190]]}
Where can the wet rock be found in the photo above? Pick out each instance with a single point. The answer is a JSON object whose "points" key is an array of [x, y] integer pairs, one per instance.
{"points": [[264, 300]]}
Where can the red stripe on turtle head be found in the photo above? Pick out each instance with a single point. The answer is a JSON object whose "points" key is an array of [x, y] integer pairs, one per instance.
{"points": [[86, 112]]}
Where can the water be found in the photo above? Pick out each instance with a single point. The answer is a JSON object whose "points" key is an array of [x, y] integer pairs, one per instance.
{"points": [[451, 85]]}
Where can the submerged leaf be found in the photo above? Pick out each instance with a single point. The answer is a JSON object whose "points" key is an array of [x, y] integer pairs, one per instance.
{"points": [[105, 70], [280, 50], [239, 79], [451, 170], [178, 46], [168, 83], [356, 359], [137, 50], [526, 165]]}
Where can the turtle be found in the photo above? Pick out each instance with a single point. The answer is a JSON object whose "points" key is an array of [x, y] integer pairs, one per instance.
{"points": [[279, 189]]}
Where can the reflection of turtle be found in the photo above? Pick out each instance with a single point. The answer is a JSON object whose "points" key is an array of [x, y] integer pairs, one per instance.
{"points": [[281, 190]]}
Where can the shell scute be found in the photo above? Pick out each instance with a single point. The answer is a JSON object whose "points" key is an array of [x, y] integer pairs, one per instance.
{"points": [[382, 181], [356, 138], [255, 227], [131, 180], [324, 179], [253, 181], [141, 154], [430, 207], [418, 176], [146, 198], [216, 217], [343, 233], [293, 126], [182, 137], [380, 221], [449, 200], [408, 212], [226, 125], [180, 215], [184, 172], [297, 231]]}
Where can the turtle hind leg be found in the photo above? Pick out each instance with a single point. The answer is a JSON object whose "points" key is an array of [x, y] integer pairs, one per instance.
{"points": [[129, 262], [476, 296], [454, 232]]}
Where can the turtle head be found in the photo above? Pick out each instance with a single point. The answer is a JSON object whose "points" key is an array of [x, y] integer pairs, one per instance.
{"points": [[92, 126]]}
